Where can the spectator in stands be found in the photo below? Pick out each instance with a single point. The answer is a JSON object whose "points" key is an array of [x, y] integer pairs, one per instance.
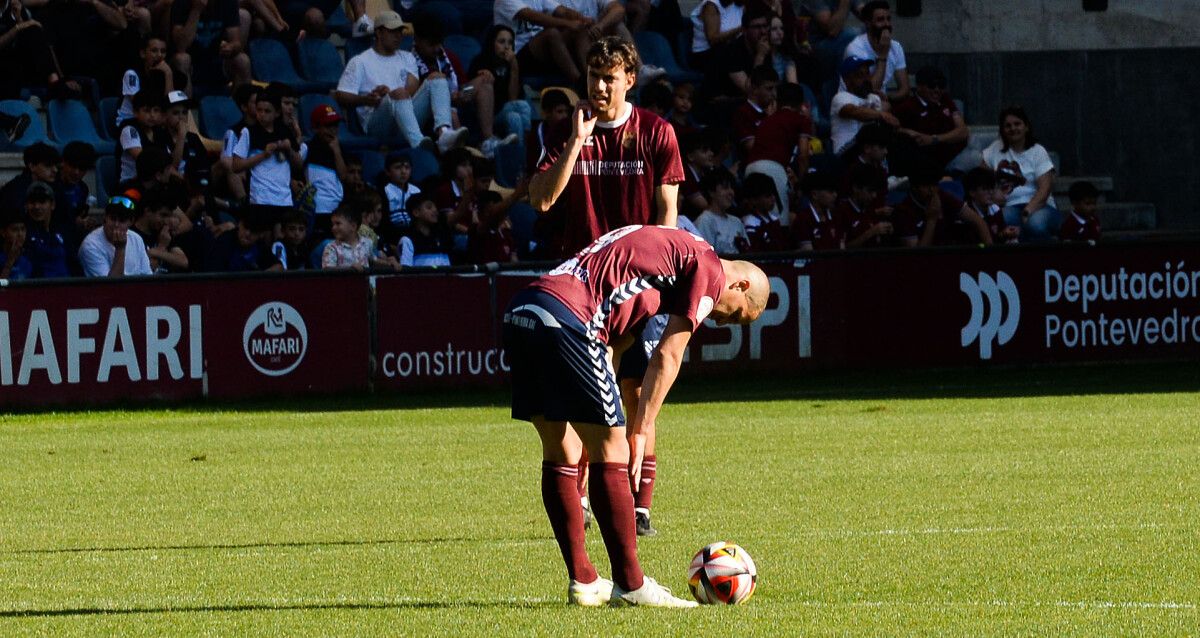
{"points": [[209, 41], [189, 157], [1030, 204], [289, 104], [243, 249], [154, 74], [71, 210], [454, 189], [783, 57], [546, 34], [111, 250], [383, 82], [25, 56], [348, 250], [41, 165], [245, 97], [680, 116], [816, 227], [979, 184], [781, 142], [715, 23], [14, 265], [293, 246], [759, 203], [265, 18], [728, 75], [870, 152], [434, 60], [313, 15], [556, 103], [877, 45], [657, 98], [931, 216], [930, 121], [142, 132], [855, 104], [497, 66], [758, 105], [606, 17], [45, 248], [78, 31], [430, 239], [371, 205], [865, 222], [1082, 224], [828, 31], [153, 168], [724, 231], [270, 152], [326, 167], [696, 149], [491, 237], [353, 184], [397, 189], [157, 225]]}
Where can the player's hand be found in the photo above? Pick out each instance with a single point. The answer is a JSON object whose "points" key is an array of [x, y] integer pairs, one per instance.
{"points": [[584, 121], [637, 452]]}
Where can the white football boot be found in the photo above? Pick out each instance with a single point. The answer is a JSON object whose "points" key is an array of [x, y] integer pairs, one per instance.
{"points": [[595, 594], [650, 594]]}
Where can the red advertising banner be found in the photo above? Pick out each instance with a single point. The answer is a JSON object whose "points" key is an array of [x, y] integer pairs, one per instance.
{"points": [[101, 342]]}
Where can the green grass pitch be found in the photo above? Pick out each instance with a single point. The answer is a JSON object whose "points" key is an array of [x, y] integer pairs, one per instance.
{"points": [[1000, 502]]}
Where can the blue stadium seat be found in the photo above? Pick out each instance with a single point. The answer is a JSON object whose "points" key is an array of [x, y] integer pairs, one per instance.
{"points": [[510, 163], [108, 117], [320, 62], [70, 121], [423, 162], [523, 217], [446, 13], [372, 167], [465, 47], [338, 22], [36, 131], [271, 63], [106, 178], [348, 140], [954, 188], [655, 50], [354, 46], [218, 114]]}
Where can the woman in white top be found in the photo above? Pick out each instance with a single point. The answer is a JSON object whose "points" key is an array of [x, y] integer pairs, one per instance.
{"points": [[714, 22], [1030, 204]]}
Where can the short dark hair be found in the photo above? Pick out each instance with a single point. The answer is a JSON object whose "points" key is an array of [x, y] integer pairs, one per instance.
{"points": [[613, 50], [762, 74], [281, 89], [932, 77], [554, 98], [243, 94], [256, 221], [714, 179], [483, 167], [979, 177], [416, 199], [397, 158], [868, 10], [1082, 190], [864, 177], [926, 173], [453, 159], [790, 94], [696, 140], [755, 11], [427, 26], [658, 95], [294, 216], [818, 181], [350, 212], [40, 153], [81, 155], [150, 162], [874, 134], [758, 185], [149, 100]]}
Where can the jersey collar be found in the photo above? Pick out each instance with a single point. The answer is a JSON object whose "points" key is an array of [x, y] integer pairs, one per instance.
{"points": [[620, 120]]}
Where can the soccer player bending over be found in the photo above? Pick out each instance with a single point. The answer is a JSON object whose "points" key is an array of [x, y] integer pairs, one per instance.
{"points": [[563, 332]]}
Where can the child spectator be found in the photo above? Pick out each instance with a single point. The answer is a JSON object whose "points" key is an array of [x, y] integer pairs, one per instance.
{"points": [[289, 103], [41, 165], [491, 238], [353, 184], [188, 154], [557, 103], [430, 239], [348, 249], [326, 166], [154, 75], [1082, 224], [816, 227], [980, 186], [865, 221], [293, 247], [455, 194], [14, 264], [758, 105], [759, 203], [268, 150], [396, 191], [72, 216], [157, 225], [245, 97], [680, 116], [497, 66], [371, 205], [243, 249], [45, 248], [781, 142], [932, 216], [870, 153], [724, 231], [111, 250], [657, 98], [141, 132], [698, 161]]}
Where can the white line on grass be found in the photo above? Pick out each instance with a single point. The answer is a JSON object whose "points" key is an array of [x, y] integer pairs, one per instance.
{"points": [[1081, 604], [849, 533]]}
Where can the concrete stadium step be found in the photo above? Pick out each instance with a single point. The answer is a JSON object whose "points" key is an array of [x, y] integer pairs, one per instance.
{"points": [[1124, 216], [10, 166], [1063, 183]]}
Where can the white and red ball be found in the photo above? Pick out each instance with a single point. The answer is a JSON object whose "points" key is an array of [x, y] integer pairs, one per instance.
{"points": [[722, 574]]}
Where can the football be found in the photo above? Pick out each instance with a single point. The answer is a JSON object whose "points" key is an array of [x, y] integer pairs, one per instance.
{"points": [[722, 573]]}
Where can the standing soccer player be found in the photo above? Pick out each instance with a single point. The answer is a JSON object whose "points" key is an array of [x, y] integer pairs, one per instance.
{"points": [[563, 332], [613, 164]]}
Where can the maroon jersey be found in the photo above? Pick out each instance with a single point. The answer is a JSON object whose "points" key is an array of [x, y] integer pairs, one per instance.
{"points": [[746, 119], [1076, 228], [930, 118], [910, 220], [820, 229], [634, 273], [615, 177], [993, 216], [777, 136], [855, 222]]}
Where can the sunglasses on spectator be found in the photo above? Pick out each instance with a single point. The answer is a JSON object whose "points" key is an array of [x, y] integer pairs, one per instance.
{"points": [[122, 201]]}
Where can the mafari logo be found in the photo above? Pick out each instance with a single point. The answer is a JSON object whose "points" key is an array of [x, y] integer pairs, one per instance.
{"points": [[275, 338], [995, 320]]}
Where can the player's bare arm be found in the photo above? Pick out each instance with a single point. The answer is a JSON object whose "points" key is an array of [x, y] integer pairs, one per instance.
{"points": [[660, 376], [546, 187], [666, 201]]}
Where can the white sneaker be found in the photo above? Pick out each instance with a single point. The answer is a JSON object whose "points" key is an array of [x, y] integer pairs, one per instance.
{"points": [[650, 594], [489, 147], [451, 138], [595, 594], [649, 73], [362, 27]]}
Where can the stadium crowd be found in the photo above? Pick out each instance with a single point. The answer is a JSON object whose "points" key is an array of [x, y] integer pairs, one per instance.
{"points": [[415, 148]]}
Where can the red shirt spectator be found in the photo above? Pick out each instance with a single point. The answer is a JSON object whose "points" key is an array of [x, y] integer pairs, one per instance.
{"points": [[820, 229], [777, 135], [910, 219], [746, 119], [1077, 228], [858, 223]]}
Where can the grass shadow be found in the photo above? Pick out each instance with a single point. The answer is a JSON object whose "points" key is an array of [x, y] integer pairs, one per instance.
{"points": [[252, 607], [288, 544]]}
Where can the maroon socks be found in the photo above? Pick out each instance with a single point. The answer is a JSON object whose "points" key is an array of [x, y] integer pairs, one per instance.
{"points": [[612, 504], [560, 495], [645, 493]]}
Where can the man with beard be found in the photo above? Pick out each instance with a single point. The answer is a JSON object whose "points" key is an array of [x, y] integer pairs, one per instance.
{"points": [[855, 104], [877, 44]]}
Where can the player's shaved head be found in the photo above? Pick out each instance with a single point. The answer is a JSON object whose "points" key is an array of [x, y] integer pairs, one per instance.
{"points": [[746, 292]]}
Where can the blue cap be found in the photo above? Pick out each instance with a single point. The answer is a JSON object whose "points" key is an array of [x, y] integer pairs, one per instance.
{"points": [[852, 64]]}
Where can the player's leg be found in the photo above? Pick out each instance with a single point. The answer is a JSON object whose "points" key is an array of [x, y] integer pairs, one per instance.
{"points": [[632, 369], [561, 449]]}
